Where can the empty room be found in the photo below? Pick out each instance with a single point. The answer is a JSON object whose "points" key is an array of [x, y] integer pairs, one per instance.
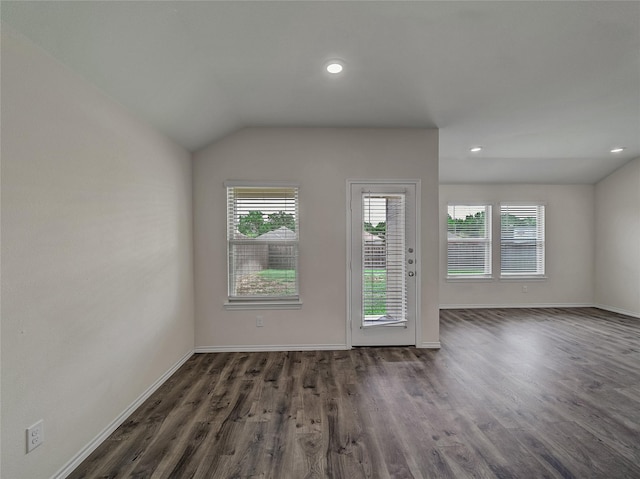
{"points": [[320, 239]]}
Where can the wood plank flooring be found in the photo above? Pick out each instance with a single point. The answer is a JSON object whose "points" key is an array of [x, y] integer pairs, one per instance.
{"points": [[513, 393]]}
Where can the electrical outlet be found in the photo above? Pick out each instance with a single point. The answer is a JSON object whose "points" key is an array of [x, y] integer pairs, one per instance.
{"points": [[35, 435], [525, 288], [259, 321]]}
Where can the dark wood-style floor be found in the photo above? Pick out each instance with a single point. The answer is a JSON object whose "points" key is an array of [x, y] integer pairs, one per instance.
{"points": [[522, 393]]}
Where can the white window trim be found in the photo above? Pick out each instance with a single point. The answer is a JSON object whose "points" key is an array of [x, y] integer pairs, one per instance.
{"points": [[263, 303], [469, 279], [535, 277], [524, 276], [480, 277], [238, 305]]}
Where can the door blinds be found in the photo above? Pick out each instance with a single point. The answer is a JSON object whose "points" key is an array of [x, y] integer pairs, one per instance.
{"points": [[384, 292]]}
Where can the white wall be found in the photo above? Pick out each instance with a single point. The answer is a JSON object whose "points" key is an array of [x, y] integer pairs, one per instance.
{"points": [[617, 238], [97, 281], [570, 248], [320, 160]]}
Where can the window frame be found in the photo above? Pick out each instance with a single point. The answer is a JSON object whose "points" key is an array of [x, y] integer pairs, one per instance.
{"points": [[486, 241], [539, 241], [236, 302]]}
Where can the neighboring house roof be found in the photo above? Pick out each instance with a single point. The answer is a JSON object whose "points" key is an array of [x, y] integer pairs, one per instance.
{"points": [[371, 238], [282, 233]]}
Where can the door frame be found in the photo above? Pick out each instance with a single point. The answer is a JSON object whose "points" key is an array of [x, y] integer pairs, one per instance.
{"points": [[352, 183]]}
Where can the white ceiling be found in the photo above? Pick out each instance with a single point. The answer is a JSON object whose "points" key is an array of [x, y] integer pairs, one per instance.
{"points": [[548, 88]]}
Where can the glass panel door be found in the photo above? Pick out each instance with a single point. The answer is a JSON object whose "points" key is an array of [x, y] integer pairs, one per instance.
{"points": [[383, 268]]}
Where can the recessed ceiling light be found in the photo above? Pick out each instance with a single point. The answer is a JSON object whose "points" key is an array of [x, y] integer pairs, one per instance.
{"points": [[475, 149], [334, 67], [617, 149]]}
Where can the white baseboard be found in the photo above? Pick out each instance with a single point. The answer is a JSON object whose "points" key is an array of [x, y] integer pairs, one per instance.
{"points": [[262, 348], [289, 347], [633, 314], [617, 310], [69, 467], [506, 306]]}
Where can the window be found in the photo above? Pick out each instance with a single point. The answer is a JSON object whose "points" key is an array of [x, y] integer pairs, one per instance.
{"points": [[384, 287], [469, 241], [262, 242], [522, 240]]}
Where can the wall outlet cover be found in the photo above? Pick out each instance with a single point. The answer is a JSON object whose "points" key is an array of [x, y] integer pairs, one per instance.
{"points": [[35, 435]]}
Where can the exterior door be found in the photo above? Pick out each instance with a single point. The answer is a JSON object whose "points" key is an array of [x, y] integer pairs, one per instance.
{"points": [[383, 263]]}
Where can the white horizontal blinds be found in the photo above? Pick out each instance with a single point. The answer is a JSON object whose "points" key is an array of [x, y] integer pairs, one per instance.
{"points": [[522, 242], [468, 241], [262, 234], [384, 296]]}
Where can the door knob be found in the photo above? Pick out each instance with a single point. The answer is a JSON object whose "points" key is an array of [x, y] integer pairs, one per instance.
{"points": [[411, 273]]}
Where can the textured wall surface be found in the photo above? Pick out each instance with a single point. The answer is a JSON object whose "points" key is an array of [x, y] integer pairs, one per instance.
{"points": [[97, 283], [320, 160], [569, 247], [618, 240]]}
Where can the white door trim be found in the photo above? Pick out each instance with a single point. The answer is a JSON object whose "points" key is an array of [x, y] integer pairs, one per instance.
{"points": [[418, 279]]}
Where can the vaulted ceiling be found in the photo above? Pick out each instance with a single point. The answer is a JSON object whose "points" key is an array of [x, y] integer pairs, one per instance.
{"points": [[546, 88]]}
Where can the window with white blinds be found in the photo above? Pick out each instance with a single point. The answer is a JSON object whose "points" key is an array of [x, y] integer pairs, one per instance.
{"points": [[262, 241], [468, 241], [522, 240], [384, 291]]}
